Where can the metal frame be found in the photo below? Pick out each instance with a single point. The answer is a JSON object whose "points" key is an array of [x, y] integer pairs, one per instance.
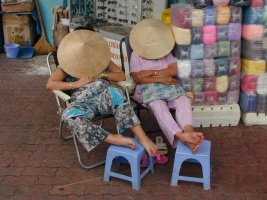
{"points": [[63, 98], [125, 40]]}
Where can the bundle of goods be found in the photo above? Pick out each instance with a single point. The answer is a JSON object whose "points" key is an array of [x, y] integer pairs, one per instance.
{"points": [[207, 49], [253, 95]]}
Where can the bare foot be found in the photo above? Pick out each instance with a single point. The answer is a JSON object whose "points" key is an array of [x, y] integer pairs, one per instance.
{"points": [[192, 140], [118, 139], [144, 140], [149, 146], [193, 147]]}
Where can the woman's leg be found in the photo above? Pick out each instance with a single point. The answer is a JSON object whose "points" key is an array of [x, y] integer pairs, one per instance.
{"points": [[126, 118], [90, 135], [119, 140], [165, 120], [144, 140], [78, 116], [184, 117], [183, 111]]}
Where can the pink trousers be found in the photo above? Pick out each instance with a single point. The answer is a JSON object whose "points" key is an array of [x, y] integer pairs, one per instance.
{"points": [[169, 125]]}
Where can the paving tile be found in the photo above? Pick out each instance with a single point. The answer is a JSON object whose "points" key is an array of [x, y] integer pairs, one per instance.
{"points": [[35, 164]]}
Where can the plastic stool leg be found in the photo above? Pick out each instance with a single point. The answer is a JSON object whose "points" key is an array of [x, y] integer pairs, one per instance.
{"points": [[176, 171], [136, 178], [206, 176], [108, 167]]}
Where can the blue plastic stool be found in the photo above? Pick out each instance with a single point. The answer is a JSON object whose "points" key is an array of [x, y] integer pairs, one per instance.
{"points": [[202, 156], [116, 155]]}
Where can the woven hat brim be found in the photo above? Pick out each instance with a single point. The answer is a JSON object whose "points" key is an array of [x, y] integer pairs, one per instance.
{"points": [[83, 53], [152, 39]]}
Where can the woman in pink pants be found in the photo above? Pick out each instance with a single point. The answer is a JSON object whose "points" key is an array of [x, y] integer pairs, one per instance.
{"points": [[153, 67]]}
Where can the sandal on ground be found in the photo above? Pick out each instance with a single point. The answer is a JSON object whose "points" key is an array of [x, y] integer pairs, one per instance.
{"points": [[160, 158], [162, 147], [144, 161]]}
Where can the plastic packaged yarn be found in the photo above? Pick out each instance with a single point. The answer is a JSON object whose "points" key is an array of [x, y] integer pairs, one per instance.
{"points": [[208, 49], [251, 102], [248, 102], [254, 67], [253, 49], [206, 33], [253, 96], [221, 3], [199, 4], [211, 81], [192, 45], [252, 31], [253, 15], [256, 3], [253, 81], [239, 3], [181, 15], [202, 3]]}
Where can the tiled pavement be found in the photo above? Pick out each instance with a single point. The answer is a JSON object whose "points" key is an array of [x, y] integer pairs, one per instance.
{"points": [[35, 164]]}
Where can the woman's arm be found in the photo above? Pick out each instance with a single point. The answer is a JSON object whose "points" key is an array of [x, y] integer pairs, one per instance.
{"points": [[56, 81], [114, 73], [156, 76]]}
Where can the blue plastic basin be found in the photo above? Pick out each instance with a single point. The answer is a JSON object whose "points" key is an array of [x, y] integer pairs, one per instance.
{"points": [[12, 50]]}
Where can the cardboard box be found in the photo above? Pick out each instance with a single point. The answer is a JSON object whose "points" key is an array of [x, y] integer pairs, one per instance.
{"points": [[18, 6], [19, 29]]}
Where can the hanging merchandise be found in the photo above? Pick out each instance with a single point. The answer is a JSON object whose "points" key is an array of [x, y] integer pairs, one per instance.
{"points": [[82, 12], [124, 12]]}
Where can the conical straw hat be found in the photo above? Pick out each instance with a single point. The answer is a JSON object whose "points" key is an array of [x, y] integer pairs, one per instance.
{"points": [[83, 53], [152, 39]]}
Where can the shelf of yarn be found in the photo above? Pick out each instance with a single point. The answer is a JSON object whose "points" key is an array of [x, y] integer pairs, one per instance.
{"points": [[207, 49], [253, 83], [253, 98]]}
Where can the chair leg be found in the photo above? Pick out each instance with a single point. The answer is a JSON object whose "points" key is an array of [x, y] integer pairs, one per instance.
{"points": [[79, 156], [60, 131], [101, 123]]}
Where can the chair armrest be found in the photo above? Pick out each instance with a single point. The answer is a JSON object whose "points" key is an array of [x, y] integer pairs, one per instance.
{"points": [[62, 95], [129, 84], [123, 84]]}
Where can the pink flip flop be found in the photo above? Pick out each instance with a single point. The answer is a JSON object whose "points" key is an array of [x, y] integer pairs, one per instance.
{"points": [[144, 161], [160, 158]]}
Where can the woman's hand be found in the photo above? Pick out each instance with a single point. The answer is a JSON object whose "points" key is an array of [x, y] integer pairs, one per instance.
{"points": [[83, 81], [138, 76], [169, 81]]}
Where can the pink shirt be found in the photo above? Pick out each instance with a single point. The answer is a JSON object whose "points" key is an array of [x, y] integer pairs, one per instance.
{"points": [[138, 63]]}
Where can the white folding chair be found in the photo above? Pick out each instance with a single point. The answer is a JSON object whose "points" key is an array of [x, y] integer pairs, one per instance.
{"points": [[63, 99]]}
